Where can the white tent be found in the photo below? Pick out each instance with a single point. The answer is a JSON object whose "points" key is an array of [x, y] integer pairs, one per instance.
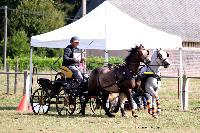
{"points": [[107, 28]]}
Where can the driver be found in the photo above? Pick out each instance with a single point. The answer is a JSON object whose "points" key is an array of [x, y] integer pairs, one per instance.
{"points": [[72, 58]]}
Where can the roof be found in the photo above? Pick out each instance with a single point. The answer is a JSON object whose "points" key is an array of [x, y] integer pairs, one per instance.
{"points": [[102, 28], [179, 17]]}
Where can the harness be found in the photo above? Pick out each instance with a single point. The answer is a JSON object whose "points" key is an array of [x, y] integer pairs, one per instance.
{"points": [[120, 76]]}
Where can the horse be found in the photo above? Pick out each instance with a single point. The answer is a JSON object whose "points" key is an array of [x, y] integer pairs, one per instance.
{"points": [[121, 79], [151, 79]]}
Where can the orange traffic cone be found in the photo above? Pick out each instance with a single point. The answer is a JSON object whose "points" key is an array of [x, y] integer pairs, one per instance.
{"points": [[23, 105], [30, 109]]}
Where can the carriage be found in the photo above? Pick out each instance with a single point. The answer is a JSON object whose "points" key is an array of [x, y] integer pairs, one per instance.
{"points": [[64, 92], [103, 81]]}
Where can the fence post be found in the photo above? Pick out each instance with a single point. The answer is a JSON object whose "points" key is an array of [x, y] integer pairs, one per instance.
{"points": [[25, 77], [185, 92], [7, 70], [178, 84], [15, 83]]}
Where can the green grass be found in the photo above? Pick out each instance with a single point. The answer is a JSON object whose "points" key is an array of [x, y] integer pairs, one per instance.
{"points": [[170, 120]]}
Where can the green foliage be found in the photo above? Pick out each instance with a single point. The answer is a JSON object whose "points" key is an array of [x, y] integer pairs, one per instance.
{"points": [[18, 45], [94, 62], [48, 52], [36, 17], [10, 4], [45, 63], [1, 62], [116, 60], [42, 63], [33, 17]]}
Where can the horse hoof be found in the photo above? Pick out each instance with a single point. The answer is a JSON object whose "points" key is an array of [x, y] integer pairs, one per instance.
{"points": [[159, 111], [115, 110], [155, 116], [135, 116], [150, 112], [82, 112]]}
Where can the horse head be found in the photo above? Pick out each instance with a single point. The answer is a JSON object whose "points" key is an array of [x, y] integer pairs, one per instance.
{"points": [[139, 53], [162, 58]]}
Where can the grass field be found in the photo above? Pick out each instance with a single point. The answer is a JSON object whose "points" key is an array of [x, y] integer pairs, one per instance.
{"points": [[170, 120]]}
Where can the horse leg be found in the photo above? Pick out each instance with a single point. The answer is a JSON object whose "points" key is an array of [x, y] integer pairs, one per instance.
{"points": [[148, 100], [83, 100], [158, 106], [157, 102], [115, 106], [130, 99], [105, 96], [154, 96], [121, 103], [154, 107]]}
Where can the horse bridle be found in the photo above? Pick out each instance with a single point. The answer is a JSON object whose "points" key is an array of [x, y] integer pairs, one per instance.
{"points": [[161, 58]]}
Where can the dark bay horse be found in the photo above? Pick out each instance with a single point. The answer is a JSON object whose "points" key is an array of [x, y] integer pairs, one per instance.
{"points": [[118, 80]]}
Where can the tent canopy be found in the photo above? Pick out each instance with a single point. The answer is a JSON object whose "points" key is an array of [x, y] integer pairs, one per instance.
{"points": [[107, 28]]}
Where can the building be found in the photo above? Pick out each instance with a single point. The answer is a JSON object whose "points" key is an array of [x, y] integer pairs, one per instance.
{"points": [[179, 17]]}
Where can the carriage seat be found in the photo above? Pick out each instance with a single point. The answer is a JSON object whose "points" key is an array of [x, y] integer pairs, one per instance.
{"points": [[66, 71]]}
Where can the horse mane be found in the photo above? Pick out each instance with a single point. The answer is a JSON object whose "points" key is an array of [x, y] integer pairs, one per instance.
{"points": [[132, 52]]}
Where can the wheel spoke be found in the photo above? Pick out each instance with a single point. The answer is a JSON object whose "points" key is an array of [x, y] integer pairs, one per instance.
{"points": [[65, 102], [40, 101]]}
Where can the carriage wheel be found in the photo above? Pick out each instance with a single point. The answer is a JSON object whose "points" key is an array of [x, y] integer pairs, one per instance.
{"points": [[95, 104], [40, 101], [65, 102]]}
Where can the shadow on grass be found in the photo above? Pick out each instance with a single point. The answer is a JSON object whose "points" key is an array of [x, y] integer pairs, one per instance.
{"points": [[68, 116], [8, 108]]}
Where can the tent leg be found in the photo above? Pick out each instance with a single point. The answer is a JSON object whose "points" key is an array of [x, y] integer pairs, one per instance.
{"points": [[31, 75], [106, 58]]}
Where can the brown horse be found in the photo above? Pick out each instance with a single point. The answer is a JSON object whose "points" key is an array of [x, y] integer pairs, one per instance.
{"points": [[120, 79]]}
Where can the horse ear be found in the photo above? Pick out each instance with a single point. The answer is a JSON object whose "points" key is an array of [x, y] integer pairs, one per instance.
{"points": [[147, 52], [130, 50], [141, 46], [167, 54]]}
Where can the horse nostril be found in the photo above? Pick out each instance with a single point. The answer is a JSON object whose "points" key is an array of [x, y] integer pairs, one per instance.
{"points": [[167, 63]]}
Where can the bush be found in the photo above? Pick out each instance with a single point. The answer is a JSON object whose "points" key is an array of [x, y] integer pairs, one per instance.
{"points": [[94, 62], [45, 63]]}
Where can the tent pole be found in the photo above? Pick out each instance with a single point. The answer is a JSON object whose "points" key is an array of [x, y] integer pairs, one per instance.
{"points": [[84, 12], [181, 79], [106, 58], [31, 75]]}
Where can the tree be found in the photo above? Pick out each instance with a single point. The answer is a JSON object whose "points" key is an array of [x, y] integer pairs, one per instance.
{"points": [[36, 17], [33, 17], [18, 45]]}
